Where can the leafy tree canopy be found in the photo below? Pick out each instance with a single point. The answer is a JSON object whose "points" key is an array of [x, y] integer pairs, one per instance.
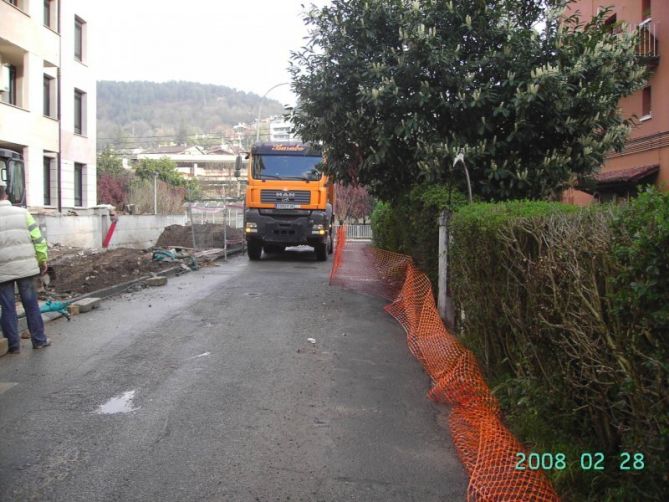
{"points": [[395, 89], [110, 163], [166, 170]]}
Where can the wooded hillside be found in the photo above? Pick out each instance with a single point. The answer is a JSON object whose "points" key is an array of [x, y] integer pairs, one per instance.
{"points": [[141, 113]]}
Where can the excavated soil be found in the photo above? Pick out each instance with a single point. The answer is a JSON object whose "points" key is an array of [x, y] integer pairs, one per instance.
{"points": [[207, 236], [86, 271], [76, 271]]}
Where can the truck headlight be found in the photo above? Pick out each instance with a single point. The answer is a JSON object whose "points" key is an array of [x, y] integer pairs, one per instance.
{"points": [[251, 227], [318, 230]]}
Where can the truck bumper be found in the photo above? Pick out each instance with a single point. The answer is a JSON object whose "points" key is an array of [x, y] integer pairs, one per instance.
{"points": [[286, 229]]}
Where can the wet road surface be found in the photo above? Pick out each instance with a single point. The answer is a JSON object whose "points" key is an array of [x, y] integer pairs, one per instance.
{"points": [[209, 389]]}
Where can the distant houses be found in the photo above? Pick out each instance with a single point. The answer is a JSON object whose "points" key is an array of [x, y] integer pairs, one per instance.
{"points": [[214, 168]]}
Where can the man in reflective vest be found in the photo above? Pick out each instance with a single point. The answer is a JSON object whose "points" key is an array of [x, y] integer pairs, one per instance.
{"points": [[23, 255]]}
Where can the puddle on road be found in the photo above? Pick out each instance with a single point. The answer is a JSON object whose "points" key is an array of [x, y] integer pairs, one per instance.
{"points": [[204, 354], [118, 404]]}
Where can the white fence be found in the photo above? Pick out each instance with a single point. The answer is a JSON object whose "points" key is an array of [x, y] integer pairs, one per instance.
{"points": [[358, 232]]}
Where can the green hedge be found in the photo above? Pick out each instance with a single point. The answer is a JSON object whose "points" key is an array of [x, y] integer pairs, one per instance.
{"points": [[568, 312], [411, 225]]}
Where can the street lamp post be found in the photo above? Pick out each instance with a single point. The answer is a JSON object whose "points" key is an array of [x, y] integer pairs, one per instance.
{"points": [[260, 107]]}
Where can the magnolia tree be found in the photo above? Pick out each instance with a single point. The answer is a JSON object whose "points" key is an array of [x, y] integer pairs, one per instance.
{"points": [[396, 89]]}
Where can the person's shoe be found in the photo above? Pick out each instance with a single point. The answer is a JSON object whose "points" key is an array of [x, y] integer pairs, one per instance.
{"points": [[42, 345], [15, 350]]}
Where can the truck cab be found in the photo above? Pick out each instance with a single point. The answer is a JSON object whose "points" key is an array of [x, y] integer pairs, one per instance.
{"points": [[12, 172], [288, 200]]}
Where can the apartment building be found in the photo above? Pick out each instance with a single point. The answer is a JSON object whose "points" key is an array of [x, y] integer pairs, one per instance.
{"points": [[281, 130], [645, 159], [47, 99]]}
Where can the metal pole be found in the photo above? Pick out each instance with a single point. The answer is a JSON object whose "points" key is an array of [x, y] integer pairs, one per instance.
{"points": [[260, 107], [444, 302], [192, 223], [225, 234], [155, 193]]}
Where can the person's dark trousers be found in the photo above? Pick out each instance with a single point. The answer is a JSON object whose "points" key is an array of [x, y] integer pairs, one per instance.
{"points": [[9, 321]]}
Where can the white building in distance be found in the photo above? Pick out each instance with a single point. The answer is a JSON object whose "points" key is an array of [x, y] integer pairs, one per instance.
{"points": [[281, 130]]}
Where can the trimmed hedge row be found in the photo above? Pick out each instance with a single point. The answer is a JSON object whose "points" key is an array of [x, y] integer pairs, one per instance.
{"points": [[568, 312]]}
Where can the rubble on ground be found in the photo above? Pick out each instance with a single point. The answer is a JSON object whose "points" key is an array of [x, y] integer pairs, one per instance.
{"points": [[76, 271], [207, 236]]}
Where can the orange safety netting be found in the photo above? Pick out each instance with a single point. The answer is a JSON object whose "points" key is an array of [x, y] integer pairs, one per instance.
{"points": [[485, 446]]}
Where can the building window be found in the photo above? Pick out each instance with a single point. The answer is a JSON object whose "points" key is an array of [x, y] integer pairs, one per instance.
{"points": [[79, 39], [8, 84], [47, 181], [645, 9], [49, 96], [79, 112], [79, 184], [47, 13], [51, 14], [646, 104], [611, 24]]}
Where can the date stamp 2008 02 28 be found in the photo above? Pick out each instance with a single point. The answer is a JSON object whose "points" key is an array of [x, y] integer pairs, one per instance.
{"points": [[587, 461]]}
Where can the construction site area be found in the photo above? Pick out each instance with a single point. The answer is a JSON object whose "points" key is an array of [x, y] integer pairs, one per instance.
{"points": [[75, 271]]}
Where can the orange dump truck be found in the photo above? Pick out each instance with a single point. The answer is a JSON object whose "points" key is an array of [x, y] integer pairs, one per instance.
{"points": [[288, 200]]}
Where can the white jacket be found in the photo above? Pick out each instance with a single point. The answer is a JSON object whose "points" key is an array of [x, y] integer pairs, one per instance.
{"points": [[17, 253]]}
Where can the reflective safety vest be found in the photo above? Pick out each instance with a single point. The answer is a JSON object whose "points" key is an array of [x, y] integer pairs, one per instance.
{"points": [[22, 247]]}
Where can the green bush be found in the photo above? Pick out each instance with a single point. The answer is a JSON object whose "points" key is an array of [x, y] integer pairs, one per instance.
{"points": [[411, 225], [385, 227], [567, 310]]}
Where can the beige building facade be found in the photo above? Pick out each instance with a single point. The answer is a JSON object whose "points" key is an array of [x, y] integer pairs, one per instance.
{"points": [[48, 99], [645, 159]]}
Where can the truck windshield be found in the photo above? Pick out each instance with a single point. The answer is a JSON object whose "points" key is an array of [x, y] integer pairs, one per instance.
{"points": [[286, 167]]}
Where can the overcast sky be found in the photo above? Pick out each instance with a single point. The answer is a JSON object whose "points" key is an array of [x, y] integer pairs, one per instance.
{"points": [[244, 44]]}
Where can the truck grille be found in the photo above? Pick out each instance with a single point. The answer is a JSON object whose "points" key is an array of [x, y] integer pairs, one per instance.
{"points": [[285, 196]]}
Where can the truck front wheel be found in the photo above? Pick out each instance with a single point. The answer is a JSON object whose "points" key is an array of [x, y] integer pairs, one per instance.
{"points": [[321, 251], [255, 250]]}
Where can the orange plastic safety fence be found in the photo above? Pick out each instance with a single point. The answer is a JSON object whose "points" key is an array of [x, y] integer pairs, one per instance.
{"points": [[485, 446], [339, 249]]}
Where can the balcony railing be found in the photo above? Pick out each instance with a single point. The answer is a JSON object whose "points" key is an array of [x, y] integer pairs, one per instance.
{"points": [[647, 49]]}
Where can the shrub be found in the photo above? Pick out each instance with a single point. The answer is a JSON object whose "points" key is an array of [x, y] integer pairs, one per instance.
{"points": [[170, 199], [567, 309], [385, 227], [411, 225], [113, 189]]}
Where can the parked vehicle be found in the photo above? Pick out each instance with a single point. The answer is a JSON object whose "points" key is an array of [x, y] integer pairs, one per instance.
{"points": [[12, 172], [288, 200]]}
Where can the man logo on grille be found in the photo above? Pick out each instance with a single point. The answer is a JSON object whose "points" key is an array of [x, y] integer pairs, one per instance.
{"points": [[285, 196]]}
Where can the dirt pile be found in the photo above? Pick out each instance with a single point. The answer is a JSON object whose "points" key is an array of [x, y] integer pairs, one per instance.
{"points": [[90, 270], [207, 236]]}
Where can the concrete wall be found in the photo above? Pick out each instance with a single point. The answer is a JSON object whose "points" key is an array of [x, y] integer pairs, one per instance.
{"points": [[89, 230], [77, 231]]}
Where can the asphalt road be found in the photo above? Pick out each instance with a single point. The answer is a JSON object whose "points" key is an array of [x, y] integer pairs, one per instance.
{"points": [[228, 398]]}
